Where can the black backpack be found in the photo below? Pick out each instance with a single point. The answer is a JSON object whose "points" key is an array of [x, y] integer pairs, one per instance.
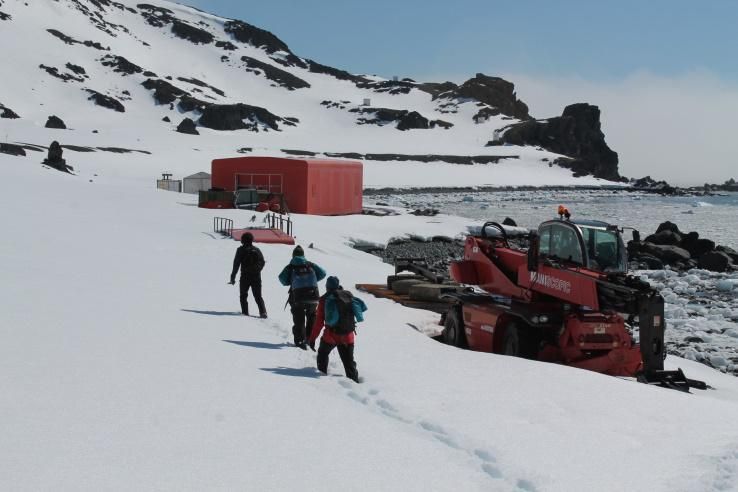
{"points": [[252, 261], [304, 284], [340, 304]]}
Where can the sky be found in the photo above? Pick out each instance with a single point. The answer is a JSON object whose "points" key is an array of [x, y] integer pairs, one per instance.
{"points": [[663, 72]]}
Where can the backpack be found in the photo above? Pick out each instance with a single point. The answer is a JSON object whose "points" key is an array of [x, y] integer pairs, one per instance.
{"points": [[339, 312], [304, 284], [252, 261]]}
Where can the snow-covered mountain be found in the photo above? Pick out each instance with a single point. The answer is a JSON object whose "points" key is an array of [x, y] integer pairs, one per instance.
{"points": [[127, 75]]}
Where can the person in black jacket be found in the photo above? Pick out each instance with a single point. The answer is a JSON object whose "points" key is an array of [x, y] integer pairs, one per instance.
{"points": [[251, 261]]}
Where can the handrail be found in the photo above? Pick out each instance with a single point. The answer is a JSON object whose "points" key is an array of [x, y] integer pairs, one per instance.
{"points": [[223, 226]]}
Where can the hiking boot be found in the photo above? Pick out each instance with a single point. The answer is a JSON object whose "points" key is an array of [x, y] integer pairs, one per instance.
{"points": [[263, 315], [303, 346]]}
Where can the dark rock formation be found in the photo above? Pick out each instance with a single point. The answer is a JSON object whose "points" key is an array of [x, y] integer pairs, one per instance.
{"points": [[412, 120], [120, 65], [76, 69], [156, 16], [435, 89], [166, 119], [284, 79], [187, 126], [442, 124], [451, 159], [715, 261], [191, 33], [8, 113], [393, 87], [55, 159], [575, 134], [226, 117], [164, 92], [54, 72], [188, 103], [670, 246], [226, 45], [649, 184], [316, 67], [495, 92], [70, 40], [55, 122], [11, 149], [105, 101], [4, 16], [200, 83], [246, 33]]}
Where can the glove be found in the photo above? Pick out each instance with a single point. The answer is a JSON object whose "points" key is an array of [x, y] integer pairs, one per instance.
{"points": [[312, 345], [232, 282]]}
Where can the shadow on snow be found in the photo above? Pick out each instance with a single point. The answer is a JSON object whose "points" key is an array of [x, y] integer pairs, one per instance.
{"points": [[305, 372], [261, 345], [213, 313]]}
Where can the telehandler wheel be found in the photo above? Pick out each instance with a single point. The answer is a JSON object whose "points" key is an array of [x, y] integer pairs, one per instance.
{"points": [[519, 341], [453, 328]]}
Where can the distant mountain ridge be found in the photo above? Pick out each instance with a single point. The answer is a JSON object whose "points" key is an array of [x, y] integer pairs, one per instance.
{"points": [[160, 65]]}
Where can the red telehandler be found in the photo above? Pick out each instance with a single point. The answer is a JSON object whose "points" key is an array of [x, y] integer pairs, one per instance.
{"points": [[567, 299]]}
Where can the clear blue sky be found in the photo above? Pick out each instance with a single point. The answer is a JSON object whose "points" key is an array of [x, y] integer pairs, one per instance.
{"points": [[597, 40]]}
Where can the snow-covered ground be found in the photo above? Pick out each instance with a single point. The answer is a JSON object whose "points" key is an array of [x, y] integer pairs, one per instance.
{"points": [[126, 366]]}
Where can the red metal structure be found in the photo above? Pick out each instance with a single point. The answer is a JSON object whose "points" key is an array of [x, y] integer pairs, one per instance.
{"points": [[567, 299], [309, 186]]}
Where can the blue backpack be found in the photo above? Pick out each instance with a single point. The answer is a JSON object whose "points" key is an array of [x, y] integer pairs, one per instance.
{"points": [[339, 312], [304, 284]]}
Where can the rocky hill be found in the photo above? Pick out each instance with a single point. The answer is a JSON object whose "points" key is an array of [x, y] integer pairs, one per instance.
{"points": [[102, 74]]}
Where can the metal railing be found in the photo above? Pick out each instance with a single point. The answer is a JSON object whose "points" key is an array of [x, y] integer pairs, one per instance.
{"points": [[222, 225], [279, 221]]}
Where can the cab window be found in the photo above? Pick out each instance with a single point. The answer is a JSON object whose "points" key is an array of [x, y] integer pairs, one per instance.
{"points": [[565, 244], [545, 241]]}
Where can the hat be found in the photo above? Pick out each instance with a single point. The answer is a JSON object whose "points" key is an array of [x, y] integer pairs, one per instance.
{"points": [[298, 251], [332, 283], [247, 238]]}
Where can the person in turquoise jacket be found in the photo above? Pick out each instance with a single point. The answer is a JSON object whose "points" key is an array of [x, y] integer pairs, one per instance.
{"points": [[302, 277]]}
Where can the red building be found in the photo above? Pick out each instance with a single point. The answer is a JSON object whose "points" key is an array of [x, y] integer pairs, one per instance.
{"points": [[309, 186]]}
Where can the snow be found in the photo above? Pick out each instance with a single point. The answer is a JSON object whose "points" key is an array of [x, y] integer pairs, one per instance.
{"points": [[124, 364]]}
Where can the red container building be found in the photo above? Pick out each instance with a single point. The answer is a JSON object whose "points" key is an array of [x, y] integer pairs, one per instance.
{"points": [[310, 186]]}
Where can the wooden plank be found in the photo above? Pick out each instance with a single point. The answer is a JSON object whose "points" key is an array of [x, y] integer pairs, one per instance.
{"points": [[381, 291]]}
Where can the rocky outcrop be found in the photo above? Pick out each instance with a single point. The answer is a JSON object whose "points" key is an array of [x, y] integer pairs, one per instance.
{"points": [[55, 159], [316, 67], [576, 134], [188, 127], [225, 117], [393, 87], [679, 250], [65, 77], [248, 34], [495, 92], [6, 112], [280, 77], [164, 92], [402, 118], [70, 40], [120, 65], [56, 123], [191, 33], [105, 101]]}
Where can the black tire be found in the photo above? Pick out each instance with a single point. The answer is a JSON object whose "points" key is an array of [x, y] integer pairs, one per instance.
{"points": [[520, 340], [453, 328]]}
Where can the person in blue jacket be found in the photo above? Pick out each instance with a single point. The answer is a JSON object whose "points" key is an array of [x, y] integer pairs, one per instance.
{"points": [[302, 277]]}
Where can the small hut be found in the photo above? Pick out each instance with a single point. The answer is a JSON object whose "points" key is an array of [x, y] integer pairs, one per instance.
{"points": [[196, 183]]}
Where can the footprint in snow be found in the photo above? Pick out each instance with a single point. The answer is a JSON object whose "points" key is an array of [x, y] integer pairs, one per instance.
{"points": [[487, 462]]}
